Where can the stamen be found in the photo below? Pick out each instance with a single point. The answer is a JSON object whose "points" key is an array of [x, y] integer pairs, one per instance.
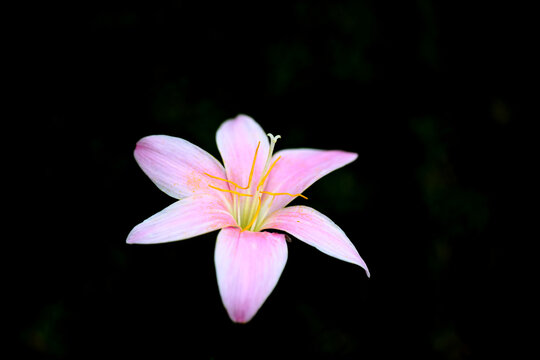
{"points": [[255, 216], [248, 206], [263, 179], [230, 191], [250, 173], [252, 167], [283, 193], [218, 178]]}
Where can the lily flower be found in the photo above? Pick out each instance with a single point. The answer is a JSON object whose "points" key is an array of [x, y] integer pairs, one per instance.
{"points": [[246, 199]]}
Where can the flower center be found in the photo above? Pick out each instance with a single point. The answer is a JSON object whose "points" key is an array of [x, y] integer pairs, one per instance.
{"points": [[247, 206]]}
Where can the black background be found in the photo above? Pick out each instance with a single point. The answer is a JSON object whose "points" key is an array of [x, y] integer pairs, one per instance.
{"points": [[430, 95]]}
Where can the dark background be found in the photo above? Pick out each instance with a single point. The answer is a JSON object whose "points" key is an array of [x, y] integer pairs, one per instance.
{"points": [[430, 95]]}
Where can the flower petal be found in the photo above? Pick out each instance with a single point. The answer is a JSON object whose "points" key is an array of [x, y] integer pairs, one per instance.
{"points": [[317, 230], [299, 168], [189, 217], [248, 267], [177, 166], [237, 141]]}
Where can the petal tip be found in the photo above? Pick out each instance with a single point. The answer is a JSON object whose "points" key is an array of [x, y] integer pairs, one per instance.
{"points": [[349, 157], [239, 319], [243, 117], [144, 141], [245, 120], [131, 239], [142, 146], [360, 262]]}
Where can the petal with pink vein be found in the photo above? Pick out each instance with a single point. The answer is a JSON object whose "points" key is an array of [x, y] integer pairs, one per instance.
{"points": [[297, 169], [192, 216], [315, 229], [237, 141], [248, 267], [177, 166]]}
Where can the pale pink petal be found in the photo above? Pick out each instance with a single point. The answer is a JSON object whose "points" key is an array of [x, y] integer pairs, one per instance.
{"points": [[248, 267], [297, 169], [237, 141], [186, 218], [177, 166], [313, 228]]}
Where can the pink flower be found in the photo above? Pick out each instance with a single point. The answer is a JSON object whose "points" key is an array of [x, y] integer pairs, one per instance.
{"points": [[242, 199]]}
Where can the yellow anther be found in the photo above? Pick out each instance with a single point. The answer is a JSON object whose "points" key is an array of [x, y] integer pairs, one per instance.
{"points": [[218, 178], [252, 167], [283, 193], [263, 179], [229, 191], [250, 173]]}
